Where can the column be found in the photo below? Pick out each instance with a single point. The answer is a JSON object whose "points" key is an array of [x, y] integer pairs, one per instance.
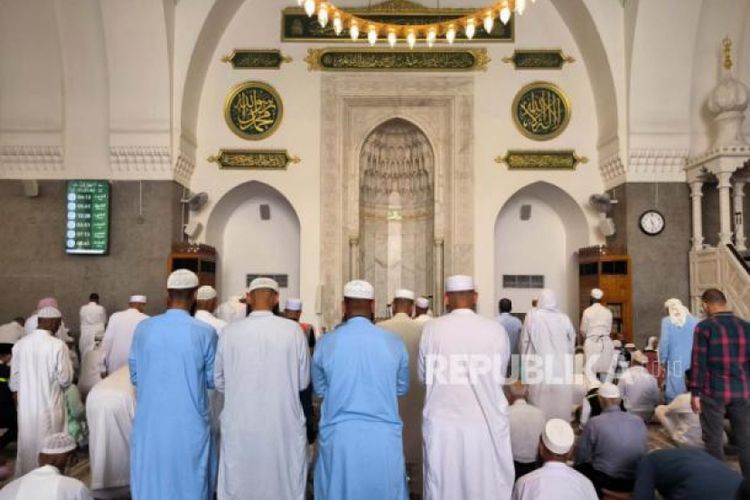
{"points": [[437, 300], [739, 216], [696, 197], [353, 258], [725, 213]]}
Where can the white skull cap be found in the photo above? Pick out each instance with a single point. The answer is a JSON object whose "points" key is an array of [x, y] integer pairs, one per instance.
{"points": [[359, 289], [293, 304], [608, 391], [459, 283], [59, 443], [403, 293], [137, 299], [182, 279], [259, 283], [597, 294], [558, 436], [422, 303], [49, 312], [205, 292]]}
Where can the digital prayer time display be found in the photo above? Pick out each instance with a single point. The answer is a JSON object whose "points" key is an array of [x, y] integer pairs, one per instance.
{"points": [[87, 217]]}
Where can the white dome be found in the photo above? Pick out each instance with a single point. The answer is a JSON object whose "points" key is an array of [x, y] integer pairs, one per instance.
{"points": [[729, 95]]}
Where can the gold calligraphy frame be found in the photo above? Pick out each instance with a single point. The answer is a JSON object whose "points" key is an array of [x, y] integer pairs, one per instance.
{"points": [[552, 88], [315, 57], [228, 111], [253, 159], [524, 159], [530, 53]]}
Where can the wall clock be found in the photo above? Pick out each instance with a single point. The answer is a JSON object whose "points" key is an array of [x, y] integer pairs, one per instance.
{"points": [[651, 222]]}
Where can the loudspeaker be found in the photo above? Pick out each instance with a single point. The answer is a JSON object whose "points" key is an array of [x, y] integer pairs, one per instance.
{"points": [[265, 212], [193, 229], [525, 212], [30, 188]]}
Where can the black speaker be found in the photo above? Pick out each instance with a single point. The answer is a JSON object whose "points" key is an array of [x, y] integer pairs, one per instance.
{"points": [[265, 212], [525, 212]]}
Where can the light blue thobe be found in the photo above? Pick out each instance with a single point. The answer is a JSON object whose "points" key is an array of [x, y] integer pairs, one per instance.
{"points": [[360, 370], [675, 348], [512, 327], [171, 365]]}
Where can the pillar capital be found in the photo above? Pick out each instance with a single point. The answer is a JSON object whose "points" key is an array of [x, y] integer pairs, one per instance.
{"points": [[724, 179], [696, 188]]}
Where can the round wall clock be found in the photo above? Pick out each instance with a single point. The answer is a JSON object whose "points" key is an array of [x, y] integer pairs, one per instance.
{"points": [[541, 111], [651, 222], [253, 110]]}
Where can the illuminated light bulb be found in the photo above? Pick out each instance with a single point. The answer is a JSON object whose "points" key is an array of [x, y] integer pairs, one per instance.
{"points": [[450, 35], [300, 2], [470, 28], [392, 38], [489, 22], [431, 36], [309, 7], [372, 35], [505, 14], [338, 26], [354, 31], [411, 39], [323, 15], [520, 6]]}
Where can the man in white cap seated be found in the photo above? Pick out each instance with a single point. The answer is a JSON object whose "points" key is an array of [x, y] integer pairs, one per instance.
{"points": [[410, 405], [359, 370], [171, 366], [639, 389], [93, 317], [596, 326], [262, 364], [555, 480], [462, 361], [422, 310], [611, 444], [40, 371], [110, 409], [119, 334], [48, 482], [293, 311], [205, 304]]}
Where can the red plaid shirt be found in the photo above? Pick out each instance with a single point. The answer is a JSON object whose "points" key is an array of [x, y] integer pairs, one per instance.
{"points": [[720, 367]]}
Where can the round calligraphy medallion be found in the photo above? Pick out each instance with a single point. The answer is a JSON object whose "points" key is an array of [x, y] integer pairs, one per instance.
{"points": [[253, 110], [541, 111]]}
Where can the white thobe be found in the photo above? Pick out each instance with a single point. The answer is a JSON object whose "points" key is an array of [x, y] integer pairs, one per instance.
{"points": [[210, 319], [526, 426], [232, 310], [467, 454], [110, 409], [681, 423], [40, 370], [547, 347], [33, 321], [10, 333], [92, 367], [554, 481], [93, 318], [45, 483], [640, 391], [119, 337], [262, 363], [216, 398], [596, 326], [422, 319]]}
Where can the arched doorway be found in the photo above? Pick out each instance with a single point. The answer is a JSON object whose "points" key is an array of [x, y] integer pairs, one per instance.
{"points": [[397, 224], [537, 233], [255, 231]]}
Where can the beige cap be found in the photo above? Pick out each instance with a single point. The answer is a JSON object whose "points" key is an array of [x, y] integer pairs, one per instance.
{"points": [[259, 283], [205, 292], [182, 279], [608, 391], [558, 436], [49, 312]]}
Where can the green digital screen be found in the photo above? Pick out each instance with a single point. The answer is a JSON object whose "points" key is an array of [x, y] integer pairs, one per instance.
{"points": [[87, 217]]}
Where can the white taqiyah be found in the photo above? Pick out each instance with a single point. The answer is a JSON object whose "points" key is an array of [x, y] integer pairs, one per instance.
{"points": [[359, 289], [49, 312], [422, 303], [597, 294], [182, 279], [137, 299], [260, 283], [558, 436], [293, 304], [205, 292], [639, 358], [459, 283], [403, 293], [56, 444], [608, 391]]}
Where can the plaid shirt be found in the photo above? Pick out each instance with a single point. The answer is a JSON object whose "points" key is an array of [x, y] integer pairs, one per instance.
{"points": [[720, 367]]}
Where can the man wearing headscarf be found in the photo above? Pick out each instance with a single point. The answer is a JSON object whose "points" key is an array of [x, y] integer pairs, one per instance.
{"points": [[119, 335], [596, 326], [172, 366], [547, 348], [675, 346], [40, 371], [262, 364], [93, 318], [359, 370], [48, 481], [463, 359]]}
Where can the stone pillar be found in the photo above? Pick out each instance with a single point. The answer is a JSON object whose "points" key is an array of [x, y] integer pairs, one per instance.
{"points": [[739, 212], [437, 300], [696, 196], [725, 213], [353, 258]]}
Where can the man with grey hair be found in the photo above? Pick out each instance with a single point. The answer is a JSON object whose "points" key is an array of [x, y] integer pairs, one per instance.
{"points": [[639, 389]]}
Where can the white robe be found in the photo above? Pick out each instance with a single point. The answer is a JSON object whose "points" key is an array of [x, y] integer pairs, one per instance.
{"points": [[212, 320], [92, 367], [547, 350], [119, 337], [110, 409], [93, 318], [10, 333], [680, 422], [262, 363], [40, 370], [33, 321], [232, 310], [45, 483], [465, 428], [554, 481], [596, 326]]}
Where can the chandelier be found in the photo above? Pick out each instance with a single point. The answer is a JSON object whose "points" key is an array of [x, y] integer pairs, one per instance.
{"points": [[339, 18]]}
